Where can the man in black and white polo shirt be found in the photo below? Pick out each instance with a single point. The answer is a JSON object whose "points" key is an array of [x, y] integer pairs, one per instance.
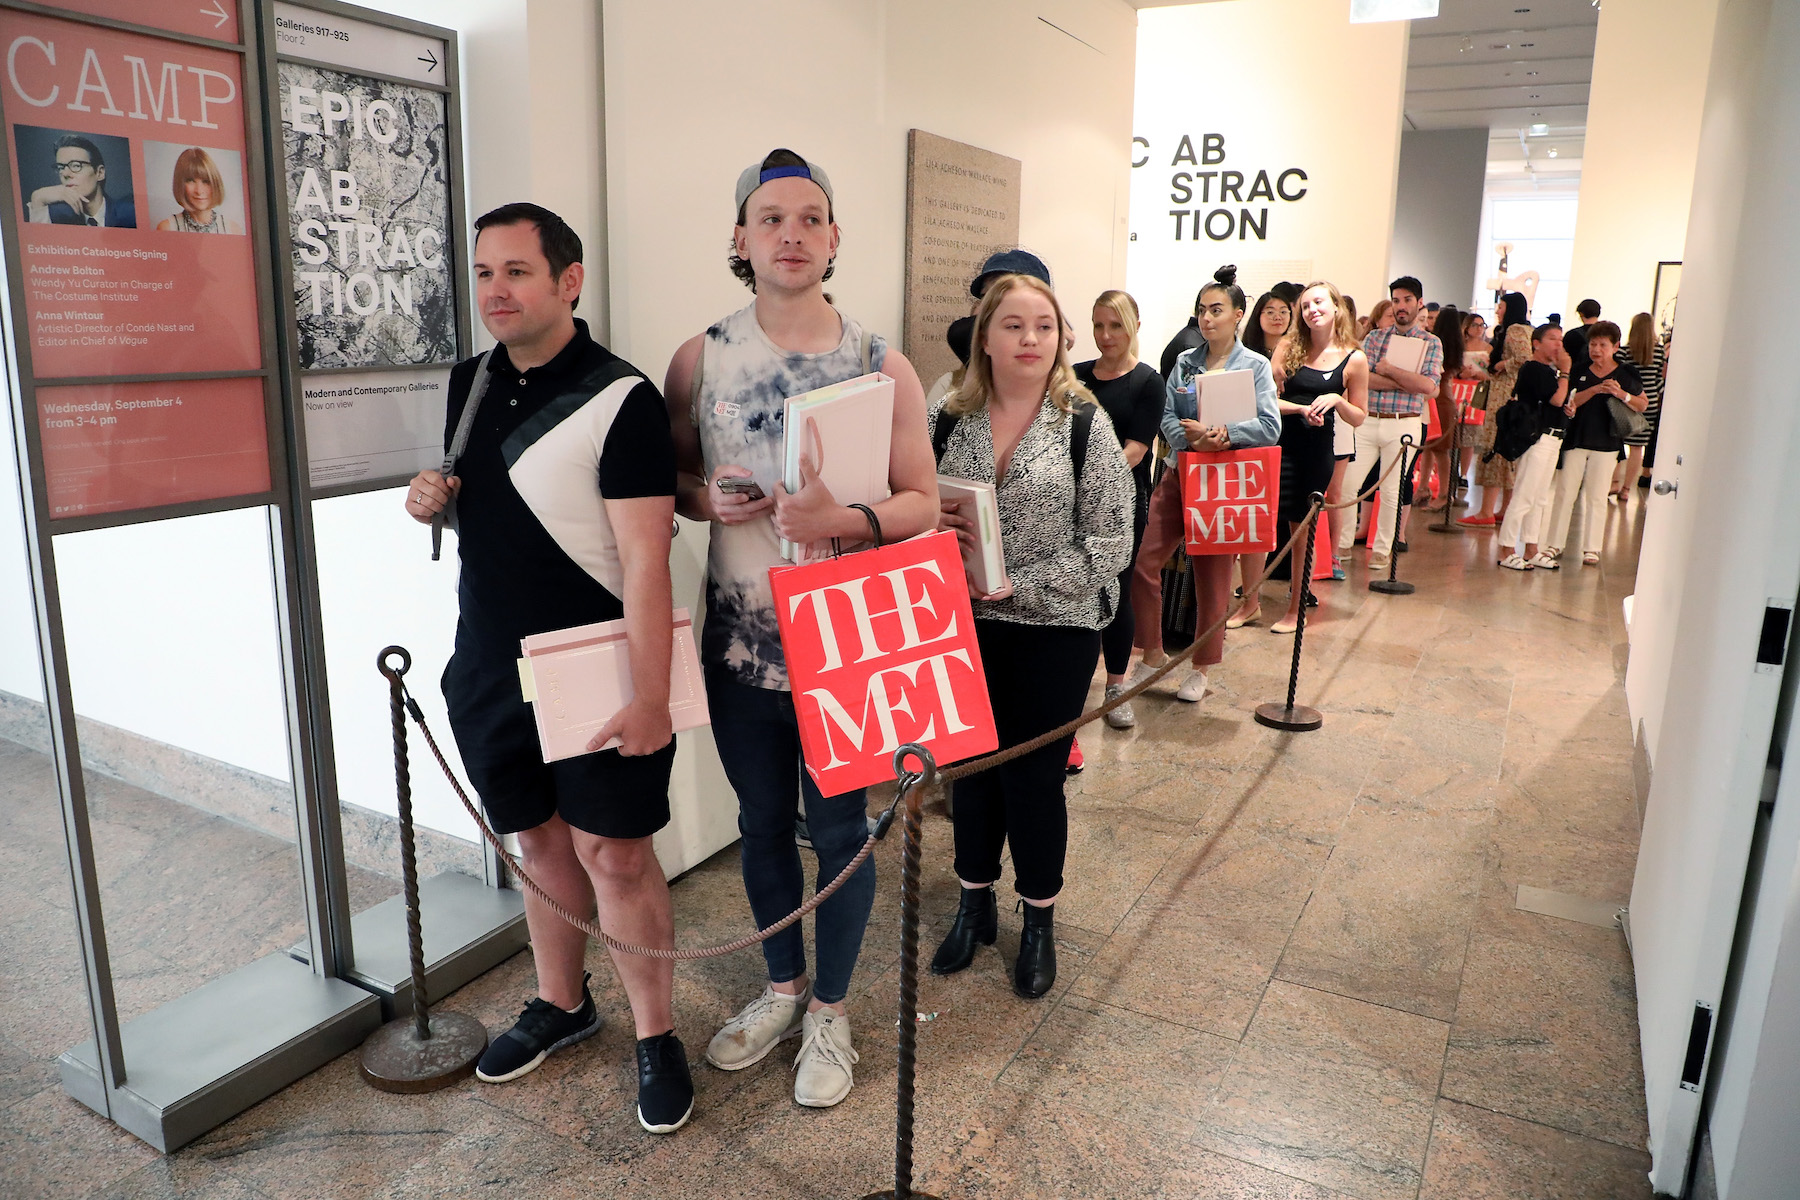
{"points": [[565, 500]]}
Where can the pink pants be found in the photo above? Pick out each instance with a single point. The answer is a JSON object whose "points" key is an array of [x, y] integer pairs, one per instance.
{"points": [[1212, 577]]}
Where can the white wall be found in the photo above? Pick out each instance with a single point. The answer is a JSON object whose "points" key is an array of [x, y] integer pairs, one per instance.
{"points": [[1437, 209], [1643, 133], [697, 91], [1748, 190], [1205, 68], [1714, 553]]}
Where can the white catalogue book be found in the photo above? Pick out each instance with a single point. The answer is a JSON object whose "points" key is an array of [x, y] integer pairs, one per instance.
{"points": [[975, 501], [844, 430], [1407, 353], [1226, 397], [578, 679]]}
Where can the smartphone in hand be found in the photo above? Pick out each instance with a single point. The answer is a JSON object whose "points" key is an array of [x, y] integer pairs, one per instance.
{"points": [[741, 485]]}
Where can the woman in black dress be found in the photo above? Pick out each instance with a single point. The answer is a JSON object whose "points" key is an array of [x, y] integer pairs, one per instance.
{"points": [[1326, 380], [1131, 393], [1270, 321]]}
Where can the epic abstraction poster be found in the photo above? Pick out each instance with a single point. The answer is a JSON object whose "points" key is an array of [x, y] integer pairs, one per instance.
{"points": [[368, 192]]}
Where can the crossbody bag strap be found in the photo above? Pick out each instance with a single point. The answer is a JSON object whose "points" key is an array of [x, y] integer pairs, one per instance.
{"points": [[459, 441]]}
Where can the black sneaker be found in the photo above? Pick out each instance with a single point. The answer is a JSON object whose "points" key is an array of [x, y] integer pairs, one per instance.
{"points": [[665, 1089], [542, 1030]]}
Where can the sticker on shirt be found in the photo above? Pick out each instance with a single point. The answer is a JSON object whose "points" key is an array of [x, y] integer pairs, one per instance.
{"points": [[724, 408]]}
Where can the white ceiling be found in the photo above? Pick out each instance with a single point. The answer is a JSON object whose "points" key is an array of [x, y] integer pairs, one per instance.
{"points": [[1503, 65]]}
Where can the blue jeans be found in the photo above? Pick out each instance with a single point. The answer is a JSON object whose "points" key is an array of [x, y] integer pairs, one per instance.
{"points": [[759, 744]]}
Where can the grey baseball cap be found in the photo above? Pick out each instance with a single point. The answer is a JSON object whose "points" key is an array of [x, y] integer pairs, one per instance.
{"points": [[758, 173]]}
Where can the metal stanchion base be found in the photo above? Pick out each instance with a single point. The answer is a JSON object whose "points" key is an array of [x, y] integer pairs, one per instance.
{"points": [[395, 1060], [1297, 719], [1392, 587], [890, 1195]]}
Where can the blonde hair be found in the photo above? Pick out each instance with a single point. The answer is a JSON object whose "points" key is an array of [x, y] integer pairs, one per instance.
{"points": [[1126, 309], [1299, 340], [196, 164], [977, 385]]}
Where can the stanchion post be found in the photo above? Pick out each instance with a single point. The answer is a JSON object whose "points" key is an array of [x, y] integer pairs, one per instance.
{"points": [[421, 1053], [1392, 586], [908, 1041], [1455, 472], [1291, 717]]}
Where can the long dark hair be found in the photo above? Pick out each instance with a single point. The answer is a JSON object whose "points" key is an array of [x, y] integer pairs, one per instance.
{"points": [[1516, 312], [1254, 337], [1453, 345]]}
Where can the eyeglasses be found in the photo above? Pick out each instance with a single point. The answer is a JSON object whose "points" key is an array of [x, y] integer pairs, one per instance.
{"points": [[73, 167]]}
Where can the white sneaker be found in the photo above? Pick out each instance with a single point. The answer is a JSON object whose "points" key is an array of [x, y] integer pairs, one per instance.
{"points": [[748, 1037], [1140, 673], [822, 1075], [1121, 717], [1193, 688]]}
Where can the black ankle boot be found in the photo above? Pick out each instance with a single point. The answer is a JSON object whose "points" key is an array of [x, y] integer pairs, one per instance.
{"points": [[1035, 972], [976, 923]]}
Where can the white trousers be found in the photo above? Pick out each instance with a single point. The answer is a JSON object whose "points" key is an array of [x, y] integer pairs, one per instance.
{"points": [[1590, 473], [1378, 440], [1533, 482]]}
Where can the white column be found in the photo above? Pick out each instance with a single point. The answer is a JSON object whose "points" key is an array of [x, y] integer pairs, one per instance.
{"points": [[1231, 140], [1643, 135]]}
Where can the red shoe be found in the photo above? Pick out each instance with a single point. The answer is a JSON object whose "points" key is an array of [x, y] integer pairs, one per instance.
{"points": [[1076, 762], [1478, 520]]}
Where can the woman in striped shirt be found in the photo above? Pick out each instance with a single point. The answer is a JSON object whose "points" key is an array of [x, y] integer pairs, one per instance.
{"points": [[1646, 351]]}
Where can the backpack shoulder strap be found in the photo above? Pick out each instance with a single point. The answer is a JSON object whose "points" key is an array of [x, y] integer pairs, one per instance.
{"points": [[940, 434], [866, 351], [1078, 440]]}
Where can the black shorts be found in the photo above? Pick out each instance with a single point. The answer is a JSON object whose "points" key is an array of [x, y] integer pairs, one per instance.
{"points": [[605, 793]]}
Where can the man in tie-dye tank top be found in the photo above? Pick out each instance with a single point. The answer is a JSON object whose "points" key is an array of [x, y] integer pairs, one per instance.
{"points": [[725, 391]]}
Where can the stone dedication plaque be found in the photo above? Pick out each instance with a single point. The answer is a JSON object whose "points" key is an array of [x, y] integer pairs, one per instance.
{"points": [[962, 204]]}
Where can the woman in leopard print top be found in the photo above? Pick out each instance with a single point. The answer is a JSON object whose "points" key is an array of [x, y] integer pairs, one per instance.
{"points": [[1065, 541]]}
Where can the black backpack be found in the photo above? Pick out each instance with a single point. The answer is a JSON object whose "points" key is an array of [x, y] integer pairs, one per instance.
{"points": [[1517, 427]]}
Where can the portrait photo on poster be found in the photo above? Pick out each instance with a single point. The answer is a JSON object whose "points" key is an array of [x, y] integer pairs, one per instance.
{"points": [[194, 189], [72, 178], [368, 194]]}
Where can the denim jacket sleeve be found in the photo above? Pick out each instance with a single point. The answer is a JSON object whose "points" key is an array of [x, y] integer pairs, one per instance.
{"points": [[1178, 399]]}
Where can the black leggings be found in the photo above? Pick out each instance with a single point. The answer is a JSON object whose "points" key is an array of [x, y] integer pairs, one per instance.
{"points": [[1037, 678], [1115, 639]]}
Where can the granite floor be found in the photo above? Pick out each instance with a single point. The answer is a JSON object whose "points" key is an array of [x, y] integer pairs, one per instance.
{"points": [[1291, 963]]}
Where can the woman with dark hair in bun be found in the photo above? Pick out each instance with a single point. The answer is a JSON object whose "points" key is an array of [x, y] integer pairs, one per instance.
{"points": [[1220, 312]]}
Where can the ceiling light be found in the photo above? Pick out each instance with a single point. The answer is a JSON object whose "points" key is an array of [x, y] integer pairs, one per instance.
{"points": [[1553, 152], [1521, 10], [1540, 129], [1531, 72], [1362, 11], [1465, 45], [1535, 96], [1526, 45]]}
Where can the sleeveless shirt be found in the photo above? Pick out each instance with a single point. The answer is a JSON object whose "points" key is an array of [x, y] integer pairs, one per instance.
{"points": [[745, 380]]}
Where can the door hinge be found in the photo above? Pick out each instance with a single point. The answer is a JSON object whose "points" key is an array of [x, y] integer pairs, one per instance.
{"points": [[1699, 1034]]}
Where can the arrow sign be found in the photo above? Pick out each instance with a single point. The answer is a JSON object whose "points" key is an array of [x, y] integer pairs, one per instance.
{"points": [[217, 13], [428, 57]]}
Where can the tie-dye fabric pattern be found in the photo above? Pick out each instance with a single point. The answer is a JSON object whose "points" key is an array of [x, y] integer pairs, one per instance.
{"points": [[745, 381]]}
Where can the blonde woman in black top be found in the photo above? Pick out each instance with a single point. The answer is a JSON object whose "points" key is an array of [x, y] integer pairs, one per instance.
{"points": [[1130, 393]]}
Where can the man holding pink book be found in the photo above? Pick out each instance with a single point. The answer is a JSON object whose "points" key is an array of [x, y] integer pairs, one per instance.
{"points": [[727, 389], [563, 487]]}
